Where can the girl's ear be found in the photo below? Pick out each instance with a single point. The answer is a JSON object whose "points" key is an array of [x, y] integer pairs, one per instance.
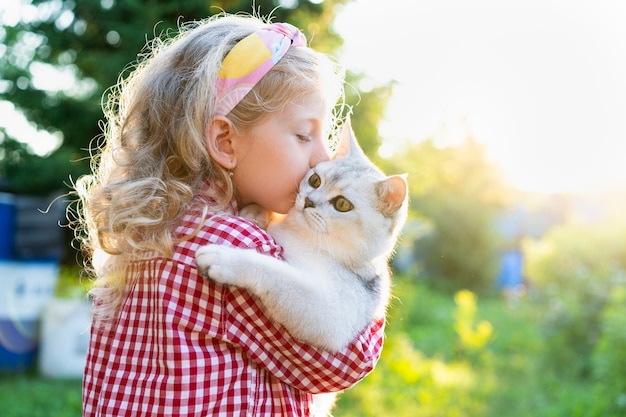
{"points": [[218, 137]]}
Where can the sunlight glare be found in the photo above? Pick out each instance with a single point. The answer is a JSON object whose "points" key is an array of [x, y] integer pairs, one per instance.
{"points": [[540, 83], [39, 142]]}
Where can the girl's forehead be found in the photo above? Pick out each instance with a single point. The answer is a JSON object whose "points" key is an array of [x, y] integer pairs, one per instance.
{"points": [[310, 106]]}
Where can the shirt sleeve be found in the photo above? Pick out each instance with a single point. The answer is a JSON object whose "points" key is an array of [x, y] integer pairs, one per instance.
{"points": [[296, 363]]}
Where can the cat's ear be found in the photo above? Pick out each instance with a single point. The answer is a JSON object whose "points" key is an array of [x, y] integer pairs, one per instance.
{"points": [[348, 144], [392, 193]]}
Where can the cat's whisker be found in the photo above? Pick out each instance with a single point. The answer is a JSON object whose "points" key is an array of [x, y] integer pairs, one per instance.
{"points": [[321, 238], [327, 241], [317, 237]]}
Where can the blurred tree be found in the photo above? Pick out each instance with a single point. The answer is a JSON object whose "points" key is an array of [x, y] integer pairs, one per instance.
{"points": [[457, 191], [578, 270], [90, 42], [609, 356]]}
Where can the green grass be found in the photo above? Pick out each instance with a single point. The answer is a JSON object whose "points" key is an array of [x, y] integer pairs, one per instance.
{"points": [[28, 395], [426, 371]]}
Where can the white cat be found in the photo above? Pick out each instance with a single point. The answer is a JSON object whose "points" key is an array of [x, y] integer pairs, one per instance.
{"points": [[337, 240]]}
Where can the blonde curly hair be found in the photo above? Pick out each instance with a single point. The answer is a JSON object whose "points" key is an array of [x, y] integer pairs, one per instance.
{"points": [[151, 159]]}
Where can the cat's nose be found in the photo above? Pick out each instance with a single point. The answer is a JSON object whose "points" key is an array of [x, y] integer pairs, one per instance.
{"points": [[308, 203]]}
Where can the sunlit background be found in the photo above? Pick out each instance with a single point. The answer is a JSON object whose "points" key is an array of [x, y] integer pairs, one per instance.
{"points": [[541, 82]]}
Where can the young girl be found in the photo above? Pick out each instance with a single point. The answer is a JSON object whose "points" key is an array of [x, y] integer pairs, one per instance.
{"points": [[231, 111]]}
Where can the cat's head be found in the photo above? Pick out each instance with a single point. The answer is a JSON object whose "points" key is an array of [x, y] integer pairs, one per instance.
{"points": [[351, 208]]}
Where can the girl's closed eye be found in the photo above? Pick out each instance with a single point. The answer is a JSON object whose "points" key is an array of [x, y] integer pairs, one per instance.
{"points": [[303, 137]]}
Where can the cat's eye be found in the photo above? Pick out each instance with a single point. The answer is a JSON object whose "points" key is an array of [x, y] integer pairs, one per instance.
{"points": [[342, 204], [315, 181]]}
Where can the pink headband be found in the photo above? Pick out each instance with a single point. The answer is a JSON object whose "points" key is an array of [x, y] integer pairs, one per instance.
{"points": [[249, 61]]}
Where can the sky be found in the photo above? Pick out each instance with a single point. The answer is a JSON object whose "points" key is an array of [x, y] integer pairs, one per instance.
{"points": [[542, 83]]}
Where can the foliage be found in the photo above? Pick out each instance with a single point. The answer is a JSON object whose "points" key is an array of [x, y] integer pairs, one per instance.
{"points": [[71, 283], [420, 375], [411, 382], [609, 357], [91, 42], [25, 172], [574, 268], [458, 192], [473, 335]]}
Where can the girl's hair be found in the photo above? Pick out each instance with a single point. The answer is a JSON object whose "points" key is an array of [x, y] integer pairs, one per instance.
{"points": [[152, 157]]}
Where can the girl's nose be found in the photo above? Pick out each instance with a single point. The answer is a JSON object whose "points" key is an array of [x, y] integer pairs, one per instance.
{"points": [[320, 154]]}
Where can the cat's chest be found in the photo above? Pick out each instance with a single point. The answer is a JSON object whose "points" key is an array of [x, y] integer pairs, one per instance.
{"points": [[304, 252]]}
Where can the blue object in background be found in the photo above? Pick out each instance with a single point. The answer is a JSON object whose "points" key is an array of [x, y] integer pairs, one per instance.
{"points": [[7, 226], [31, 247], [25, 288], [511, 269]]}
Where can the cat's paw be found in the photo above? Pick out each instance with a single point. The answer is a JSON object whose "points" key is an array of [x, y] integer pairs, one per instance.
{"points": [[257, 214], [217, 263]]}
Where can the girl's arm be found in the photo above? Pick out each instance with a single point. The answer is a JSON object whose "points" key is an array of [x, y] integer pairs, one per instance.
{"points": [[269, 344], [293, 362]]}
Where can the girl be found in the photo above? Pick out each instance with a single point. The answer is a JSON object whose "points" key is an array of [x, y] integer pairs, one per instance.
{"points": [[231, 111]]}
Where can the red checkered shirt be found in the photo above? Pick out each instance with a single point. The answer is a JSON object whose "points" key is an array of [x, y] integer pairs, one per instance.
{"points": [[184, 346]]}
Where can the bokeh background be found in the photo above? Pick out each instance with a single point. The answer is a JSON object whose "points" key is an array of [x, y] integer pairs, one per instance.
{"points": [[509, 118]]}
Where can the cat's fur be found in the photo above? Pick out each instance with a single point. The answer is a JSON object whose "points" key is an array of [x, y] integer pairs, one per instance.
{"points": [[336, 277]]}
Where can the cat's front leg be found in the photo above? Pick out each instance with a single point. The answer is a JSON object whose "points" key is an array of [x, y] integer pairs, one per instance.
{"points": [[257, 214], [219, 263]]}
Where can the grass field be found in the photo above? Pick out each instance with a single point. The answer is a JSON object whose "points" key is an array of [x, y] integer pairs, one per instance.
{"points": [[27, 395]]}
